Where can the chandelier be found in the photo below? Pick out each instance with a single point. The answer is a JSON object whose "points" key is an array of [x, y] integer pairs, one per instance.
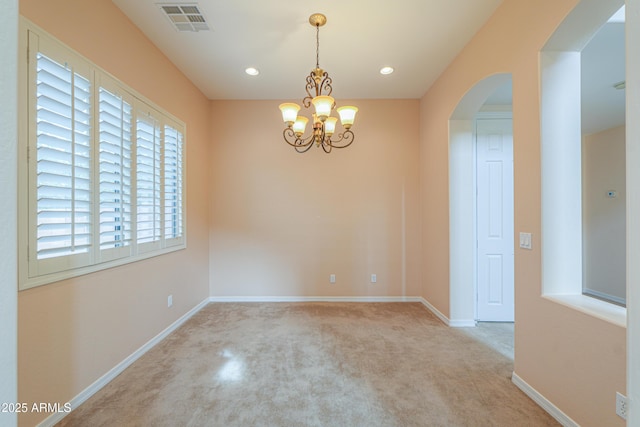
{"points": [[318, 89]]}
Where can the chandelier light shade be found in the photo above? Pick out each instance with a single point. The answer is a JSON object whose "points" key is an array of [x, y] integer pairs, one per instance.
{"points": [[319, 90], [330, 125], [347, 116], [289, 112], [300, 125], [323, 106]]}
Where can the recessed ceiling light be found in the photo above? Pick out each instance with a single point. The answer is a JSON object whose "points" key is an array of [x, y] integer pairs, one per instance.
{"points": [[386, 70], [252, 71]]}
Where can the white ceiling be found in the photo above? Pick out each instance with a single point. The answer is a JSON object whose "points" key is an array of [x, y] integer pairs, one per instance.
{"points": [[419, 38]]}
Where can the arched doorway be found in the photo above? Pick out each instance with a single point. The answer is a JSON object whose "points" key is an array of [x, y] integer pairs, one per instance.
{"points": [[462, 199]]}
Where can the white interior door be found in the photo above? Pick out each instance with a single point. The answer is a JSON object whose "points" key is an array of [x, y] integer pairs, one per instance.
{"points": [[494, 180]]}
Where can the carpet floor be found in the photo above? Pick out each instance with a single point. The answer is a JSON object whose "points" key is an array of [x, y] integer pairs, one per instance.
{"points": [[314, 364]]}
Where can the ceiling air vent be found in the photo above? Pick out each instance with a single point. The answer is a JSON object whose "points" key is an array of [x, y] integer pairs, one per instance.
{"points": [[185, 17]]}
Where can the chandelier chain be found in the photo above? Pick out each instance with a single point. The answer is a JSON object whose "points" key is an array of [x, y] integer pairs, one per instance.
{"points": [[317, 45]]}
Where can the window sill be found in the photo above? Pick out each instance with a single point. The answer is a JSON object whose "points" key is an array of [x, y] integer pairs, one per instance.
{"points": [[594, 307]]}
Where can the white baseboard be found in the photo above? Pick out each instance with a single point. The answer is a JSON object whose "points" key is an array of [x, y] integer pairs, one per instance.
{"points": [[462, 323], [116, 370], [435, 311], [314, 299], [543, 402], [454, 323]]}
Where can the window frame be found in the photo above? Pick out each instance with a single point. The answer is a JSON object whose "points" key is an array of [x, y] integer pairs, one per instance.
{"points": [[34, 272]]}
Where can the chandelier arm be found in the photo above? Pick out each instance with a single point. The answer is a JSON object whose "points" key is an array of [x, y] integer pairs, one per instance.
{"points": [[326, 84], [311, 85], [304, 148], [307, 102], [327, 147], [347, 136], [288, 134]]}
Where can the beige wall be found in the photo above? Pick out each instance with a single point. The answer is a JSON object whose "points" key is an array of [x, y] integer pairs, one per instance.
{"points": [[574, 360], [604, 218], [74, 331], [282, 222]]}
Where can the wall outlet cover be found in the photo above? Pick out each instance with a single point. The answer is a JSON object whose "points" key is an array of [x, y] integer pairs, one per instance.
{"points": [[621, 406]]}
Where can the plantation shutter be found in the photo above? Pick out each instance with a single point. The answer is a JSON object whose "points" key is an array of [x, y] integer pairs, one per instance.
{"points": [[62, 165], [115, 120], [173, 153], [148, 174]]}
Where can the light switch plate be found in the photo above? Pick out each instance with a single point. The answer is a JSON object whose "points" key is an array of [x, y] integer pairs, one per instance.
{"points": [[525, 240]]}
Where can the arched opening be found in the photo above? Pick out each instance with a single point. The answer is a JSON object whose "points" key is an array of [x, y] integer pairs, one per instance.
{"points": [[462, 197]]}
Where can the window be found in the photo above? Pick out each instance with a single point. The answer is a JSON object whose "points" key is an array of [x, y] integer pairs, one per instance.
{"points": [[603, 163], [104, 170], [562, 239]]}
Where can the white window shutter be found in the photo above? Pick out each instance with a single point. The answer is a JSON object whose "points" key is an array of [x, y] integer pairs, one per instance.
{"points": [[148, 174], [173, 161], [63, 161], [115, 121]]}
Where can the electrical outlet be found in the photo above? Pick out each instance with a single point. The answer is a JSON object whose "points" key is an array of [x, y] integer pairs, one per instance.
{"points": [[332, 278], [374, 278], [621, 405], [169, 300]]}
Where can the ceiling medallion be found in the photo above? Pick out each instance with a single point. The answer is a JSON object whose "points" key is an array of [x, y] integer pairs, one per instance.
{"points": [[318, 89]]}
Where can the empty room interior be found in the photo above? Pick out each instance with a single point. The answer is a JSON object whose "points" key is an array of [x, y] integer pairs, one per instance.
{"points": [[180, 250]]}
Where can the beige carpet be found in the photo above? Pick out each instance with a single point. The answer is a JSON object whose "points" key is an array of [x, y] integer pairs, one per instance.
{"points": [[314, 364]]}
